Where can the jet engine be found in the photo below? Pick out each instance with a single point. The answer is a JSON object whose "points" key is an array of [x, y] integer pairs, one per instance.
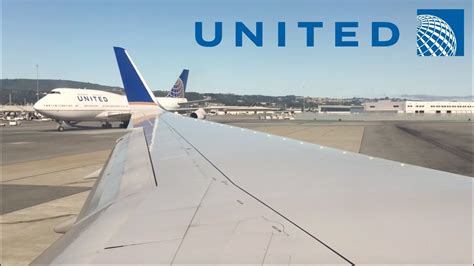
{"points": [[198, 114]]}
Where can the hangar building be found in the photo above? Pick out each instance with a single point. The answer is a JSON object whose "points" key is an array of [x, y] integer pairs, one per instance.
{"points": [[420, 107], [384, 106], [416, 107]]}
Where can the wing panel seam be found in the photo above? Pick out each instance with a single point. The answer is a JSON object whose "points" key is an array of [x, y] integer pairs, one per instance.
{"points": [[190, 222], [256, 198], [149, 157]]}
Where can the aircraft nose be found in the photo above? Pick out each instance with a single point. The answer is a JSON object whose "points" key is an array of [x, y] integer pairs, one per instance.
{"points": [[39, 105]]}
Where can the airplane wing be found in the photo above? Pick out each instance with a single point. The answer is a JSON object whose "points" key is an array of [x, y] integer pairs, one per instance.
{"points": [[177, 190]]}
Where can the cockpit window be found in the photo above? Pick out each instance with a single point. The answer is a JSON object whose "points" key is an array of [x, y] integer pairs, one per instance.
{"points": [[55, 92]]}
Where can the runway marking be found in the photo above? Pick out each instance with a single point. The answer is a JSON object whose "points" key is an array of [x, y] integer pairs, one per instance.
{"points": [[51, 172], [462, 154], [19, 197], [39, 219], [20, 143], [93, 131]]}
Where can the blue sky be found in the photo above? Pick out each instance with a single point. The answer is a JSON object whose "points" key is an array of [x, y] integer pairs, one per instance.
{"points": [[73, 40]]}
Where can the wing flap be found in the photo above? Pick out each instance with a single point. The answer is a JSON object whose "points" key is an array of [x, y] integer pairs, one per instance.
{"points": [[128, 170]]}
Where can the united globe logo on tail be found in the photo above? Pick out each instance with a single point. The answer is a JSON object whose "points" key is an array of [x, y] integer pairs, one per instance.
{"points": [[440, 32], [179, 88]]}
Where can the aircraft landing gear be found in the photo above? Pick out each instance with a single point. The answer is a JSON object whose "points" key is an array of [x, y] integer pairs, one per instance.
{"points": [[106, 125], [60, 127], [71, 123], [124, 124]]}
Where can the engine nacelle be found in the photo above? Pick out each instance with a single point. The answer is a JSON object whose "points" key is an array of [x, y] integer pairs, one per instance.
{"points": [[198, 114]]}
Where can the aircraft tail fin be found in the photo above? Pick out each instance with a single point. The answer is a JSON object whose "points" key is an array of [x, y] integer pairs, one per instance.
{"points": [[179, 88], [136, 89]]}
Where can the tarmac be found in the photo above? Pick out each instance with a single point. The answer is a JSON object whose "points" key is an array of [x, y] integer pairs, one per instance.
{"points": [[43, 185], [42, 182], [441, 145]]}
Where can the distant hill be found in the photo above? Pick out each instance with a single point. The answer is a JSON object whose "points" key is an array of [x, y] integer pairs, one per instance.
{"points": [[24, 90], [423, 97]]}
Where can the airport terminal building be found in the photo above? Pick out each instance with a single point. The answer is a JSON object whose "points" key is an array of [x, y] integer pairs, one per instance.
{"points": [[420, 107]]}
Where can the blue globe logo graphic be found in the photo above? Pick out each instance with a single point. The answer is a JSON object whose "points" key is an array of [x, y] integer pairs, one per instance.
{"points": [[178, 90], [435, 37]]}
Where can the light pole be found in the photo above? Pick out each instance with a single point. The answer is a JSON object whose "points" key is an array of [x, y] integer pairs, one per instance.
{"points": [[304, 99], [37, 83]]}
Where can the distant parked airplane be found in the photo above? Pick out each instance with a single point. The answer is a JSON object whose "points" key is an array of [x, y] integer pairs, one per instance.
{"points": [[70, 106]]}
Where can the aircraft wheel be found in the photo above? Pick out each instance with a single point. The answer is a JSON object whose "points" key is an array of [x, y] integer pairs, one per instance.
{"points": [[60, 128], [124, 124]]}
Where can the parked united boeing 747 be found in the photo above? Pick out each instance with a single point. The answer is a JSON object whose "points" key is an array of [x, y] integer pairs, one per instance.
{"points": [[70, 106], [178, 191]]}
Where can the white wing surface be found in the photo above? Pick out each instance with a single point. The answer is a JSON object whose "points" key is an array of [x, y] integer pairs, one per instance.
{"points": [[192, 191]]}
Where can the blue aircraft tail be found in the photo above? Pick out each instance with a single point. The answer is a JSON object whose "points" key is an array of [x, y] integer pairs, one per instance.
{"points": [[136, 89], [179, 87]]}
